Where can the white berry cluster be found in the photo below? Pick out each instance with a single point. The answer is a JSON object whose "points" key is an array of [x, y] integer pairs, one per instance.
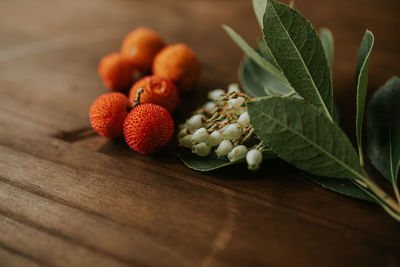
{"points": [[223, 122]]}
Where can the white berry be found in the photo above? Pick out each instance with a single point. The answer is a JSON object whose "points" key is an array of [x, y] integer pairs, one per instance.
{"points": [[186, 141], [254, 159], [244, 119], [209, 106], [215, 94], [201, 149], [233, 87], [237, 152], [200, 135], [224, 148], [236, 102], [214, 139], [231, 132], [195, 121]]}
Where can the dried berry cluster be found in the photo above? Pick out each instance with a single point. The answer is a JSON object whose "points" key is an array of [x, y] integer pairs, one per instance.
{"points": [[143, 117], [223, 123]]}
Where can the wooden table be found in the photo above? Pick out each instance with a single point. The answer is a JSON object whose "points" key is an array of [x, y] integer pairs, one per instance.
{"points": [[71, 198]]}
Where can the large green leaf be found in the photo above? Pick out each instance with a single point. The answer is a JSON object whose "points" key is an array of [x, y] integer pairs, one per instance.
{"points": [[298, 51], [341, 186], [212, 161], [326, 37], [258, 82], [361, 85], [383, 130], [303, 136], [253, 54]]}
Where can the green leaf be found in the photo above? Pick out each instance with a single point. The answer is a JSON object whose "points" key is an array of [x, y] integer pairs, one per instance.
{"points": [[251, 77], [298, 51], [361, 85], [266, 53], [383, 130], [212, 161], [341, 186], [257, 82], [326, 37], [253, 54], [303, 136], [259, 8]]}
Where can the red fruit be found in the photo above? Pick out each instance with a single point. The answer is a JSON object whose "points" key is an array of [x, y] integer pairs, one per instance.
{"points": [[148, 128], [140, 46], [116, 72], [179, 64], [107, 114], [157, 90]]}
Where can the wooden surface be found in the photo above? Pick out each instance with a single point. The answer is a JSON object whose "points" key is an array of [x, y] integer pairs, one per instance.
{"points": [[71, 198]]}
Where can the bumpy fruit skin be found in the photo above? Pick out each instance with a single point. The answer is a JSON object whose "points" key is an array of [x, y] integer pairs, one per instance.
{"points": [[116, 72], [148, 128], [157, 90], [140, 47], [107, 114], [179, 64]]}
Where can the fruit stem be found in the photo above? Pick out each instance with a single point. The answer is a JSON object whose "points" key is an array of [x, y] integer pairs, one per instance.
{"points": [[137, 99]]}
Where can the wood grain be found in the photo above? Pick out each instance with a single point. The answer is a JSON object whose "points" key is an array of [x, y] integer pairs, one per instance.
{"points": [[71, 198]]}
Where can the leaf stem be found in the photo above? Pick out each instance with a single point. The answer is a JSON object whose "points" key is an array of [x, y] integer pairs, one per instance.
{"points": [[391, 212], [390, 202], [360, 153], [378, 200], [396, 191]]}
